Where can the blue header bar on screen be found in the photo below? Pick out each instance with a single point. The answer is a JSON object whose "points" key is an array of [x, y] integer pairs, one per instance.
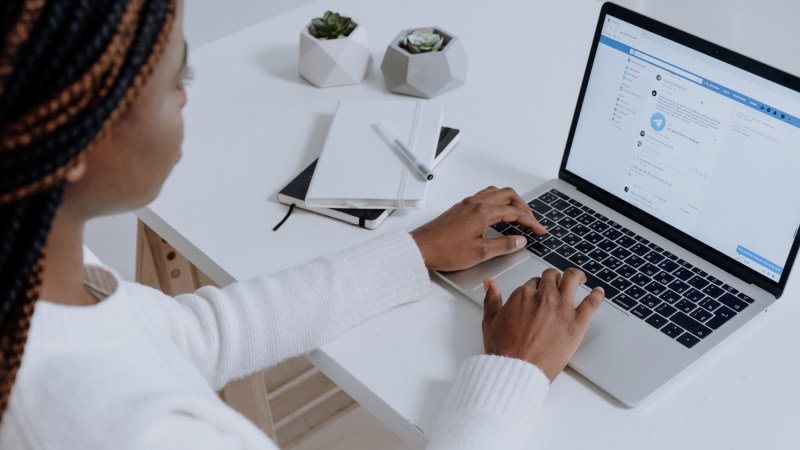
{"points": [[708, 84]]}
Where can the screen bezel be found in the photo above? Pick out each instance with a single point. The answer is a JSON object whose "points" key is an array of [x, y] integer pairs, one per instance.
{"points": [[686, 241]]}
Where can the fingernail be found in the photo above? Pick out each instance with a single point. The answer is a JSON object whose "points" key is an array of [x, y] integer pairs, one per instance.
{"points": [[602, 291], [521, 241]]}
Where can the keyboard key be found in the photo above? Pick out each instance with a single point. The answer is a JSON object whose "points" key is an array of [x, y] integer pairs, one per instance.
{"points": [[584, 247], [500, 226], [598, 226], [656, 321], [669, 296], [559, 194], [591, 280], [722, 315], [566, 251], [694, 295], [606, 245], [667, 265], [654, 257], [592, 267], [697, 282], [684, 264], [685, 305], [612, 263], [665, 310], [732, 302], [597, 255], [729, 289], [554, 215], [714, 280], [560, 204], [712, 291], [626, 271], [634, 261], [581, 230], [688, 340], [539, 206], [649, 269], [670, 256], [650, 301], [701, 315], [571, 239], [683, 273], [538, 249], [620, 253], [626, 241], [573, 211], [641, 312], [620, 283], [709, 304], [624, 301], [552, 243], [594, 237], [639, 249], [512, 230], [641, 279], [690, 325], [558, 232], [547, 197], [586, 219], [606, 274], [663, 277], [655, 288], [612, 233], [567, 222], [744, 297], [678, 286], [545, 222], [671, 330], [579, 259], [636, 292]]}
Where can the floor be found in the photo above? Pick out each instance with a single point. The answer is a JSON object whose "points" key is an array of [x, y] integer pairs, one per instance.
{"points": [[113, 238]]}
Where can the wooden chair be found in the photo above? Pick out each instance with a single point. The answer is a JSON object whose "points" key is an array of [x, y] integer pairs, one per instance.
{"points": [[289, 402]]}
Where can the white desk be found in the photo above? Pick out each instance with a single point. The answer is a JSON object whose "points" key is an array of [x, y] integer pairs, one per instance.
{"points": [[252, 125]]}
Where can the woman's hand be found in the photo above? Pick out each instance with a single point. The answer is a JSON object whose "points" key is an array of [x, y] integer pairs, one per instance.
{"points": [[538, 323], [455, 239]]}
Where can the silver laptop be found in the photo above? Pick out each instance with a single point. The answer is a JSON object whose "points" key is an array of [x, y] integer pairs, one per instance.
{"points": [[673, 194]]}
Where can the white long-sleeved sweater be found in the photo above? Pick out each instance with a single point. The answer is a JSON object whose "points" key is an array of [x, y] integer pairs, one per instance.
{"points": [[140, 369]]}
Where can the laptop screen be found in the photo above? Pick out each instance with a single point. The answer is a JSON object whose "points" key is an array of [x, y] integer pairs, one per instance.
{"points": [[701, 145]]}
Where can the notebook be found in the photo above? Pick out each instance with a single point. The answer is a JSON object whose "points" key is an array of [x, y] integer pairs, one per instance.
{"points": [[357, 169], [672, 195], [294, 193]]}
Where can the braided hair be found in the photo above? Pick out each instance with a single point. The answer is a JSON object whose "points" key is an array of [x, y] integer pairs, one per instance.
{"points": [[69, 69]]}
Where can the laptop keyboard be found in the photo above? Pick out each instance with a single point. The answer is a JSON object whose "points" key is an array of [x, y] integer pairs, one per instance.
{"points": [[682, 301]]}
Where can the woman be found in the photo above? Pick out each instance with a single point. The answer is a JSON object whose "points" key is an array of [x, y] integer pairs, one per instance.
{"points": [[90, 124]]}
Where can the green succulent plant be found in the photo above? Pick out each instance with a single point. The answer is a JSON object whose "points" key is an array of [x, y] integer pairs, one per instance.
{"points": [[331, 26], [423, 40]]}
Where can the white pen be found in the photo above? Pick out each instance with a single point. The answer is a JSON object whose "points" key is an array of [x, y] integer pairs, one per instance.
{"points": [[406, 154]]}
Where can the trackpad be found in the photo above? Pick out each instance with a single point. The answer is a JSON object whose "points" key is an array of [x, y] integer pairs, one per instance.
{"points": [[606, 318]]}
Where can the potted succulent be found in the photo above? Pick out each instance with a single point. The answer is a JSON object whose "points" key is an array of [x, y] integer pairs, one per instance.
{"points": [[334, 51], [424, 62]]}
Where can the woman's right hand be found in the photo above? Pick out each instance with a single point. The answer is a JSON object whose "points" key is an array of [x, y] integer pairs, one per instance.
{"points": [[538, 323]]}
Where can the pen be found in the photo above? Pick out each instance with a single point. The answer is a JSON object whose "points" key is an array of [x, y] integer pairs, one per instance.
{"points": [[398, 145]]}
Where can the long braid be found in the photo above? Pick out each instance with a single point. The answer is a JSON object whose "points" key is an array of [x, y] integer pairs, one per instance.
{"points": [[69, 69]]}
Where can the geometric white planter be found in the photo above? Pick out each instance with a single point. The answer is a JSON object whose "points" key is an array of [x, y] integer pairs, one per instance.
{"points": [[425, 74], [335, 62]]}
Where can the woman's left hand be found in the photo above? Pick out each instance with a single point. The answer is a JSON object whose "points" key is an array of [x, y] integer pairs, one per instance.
{"points": [[455, 241]]}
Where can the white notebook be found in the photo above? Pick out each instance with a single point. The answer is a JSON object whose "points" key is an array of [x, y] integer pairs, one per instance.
{"points": [[357, 169]]}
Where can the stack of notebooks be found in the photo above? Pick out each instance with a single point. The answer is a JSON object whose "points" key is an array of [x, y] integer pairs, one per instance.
{"points": [[358, 178]]}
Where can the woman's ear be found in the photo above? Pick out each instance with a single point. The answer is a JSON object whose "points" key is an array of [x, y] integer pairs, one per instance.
{"points": [[76, 172]]}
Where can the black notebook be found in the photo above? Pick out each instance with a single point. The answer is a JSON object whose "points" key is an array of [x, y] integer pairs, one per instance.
{"points": [[295, 192]]}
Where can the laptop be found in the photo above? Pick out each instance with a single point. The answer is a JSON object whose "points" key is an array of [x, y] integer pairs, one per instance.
{"points": [[673, 194]]}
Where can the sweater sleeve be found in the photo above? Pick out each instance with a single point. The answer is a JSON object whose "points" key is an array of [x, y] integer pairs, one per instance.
{"points": [[493, 404], [234, 331]]}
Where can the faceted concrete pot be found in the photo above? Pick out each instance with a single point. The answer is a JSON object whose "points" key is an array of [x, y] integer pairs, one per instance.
{"points": [[425, 74], [334, 62]]}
